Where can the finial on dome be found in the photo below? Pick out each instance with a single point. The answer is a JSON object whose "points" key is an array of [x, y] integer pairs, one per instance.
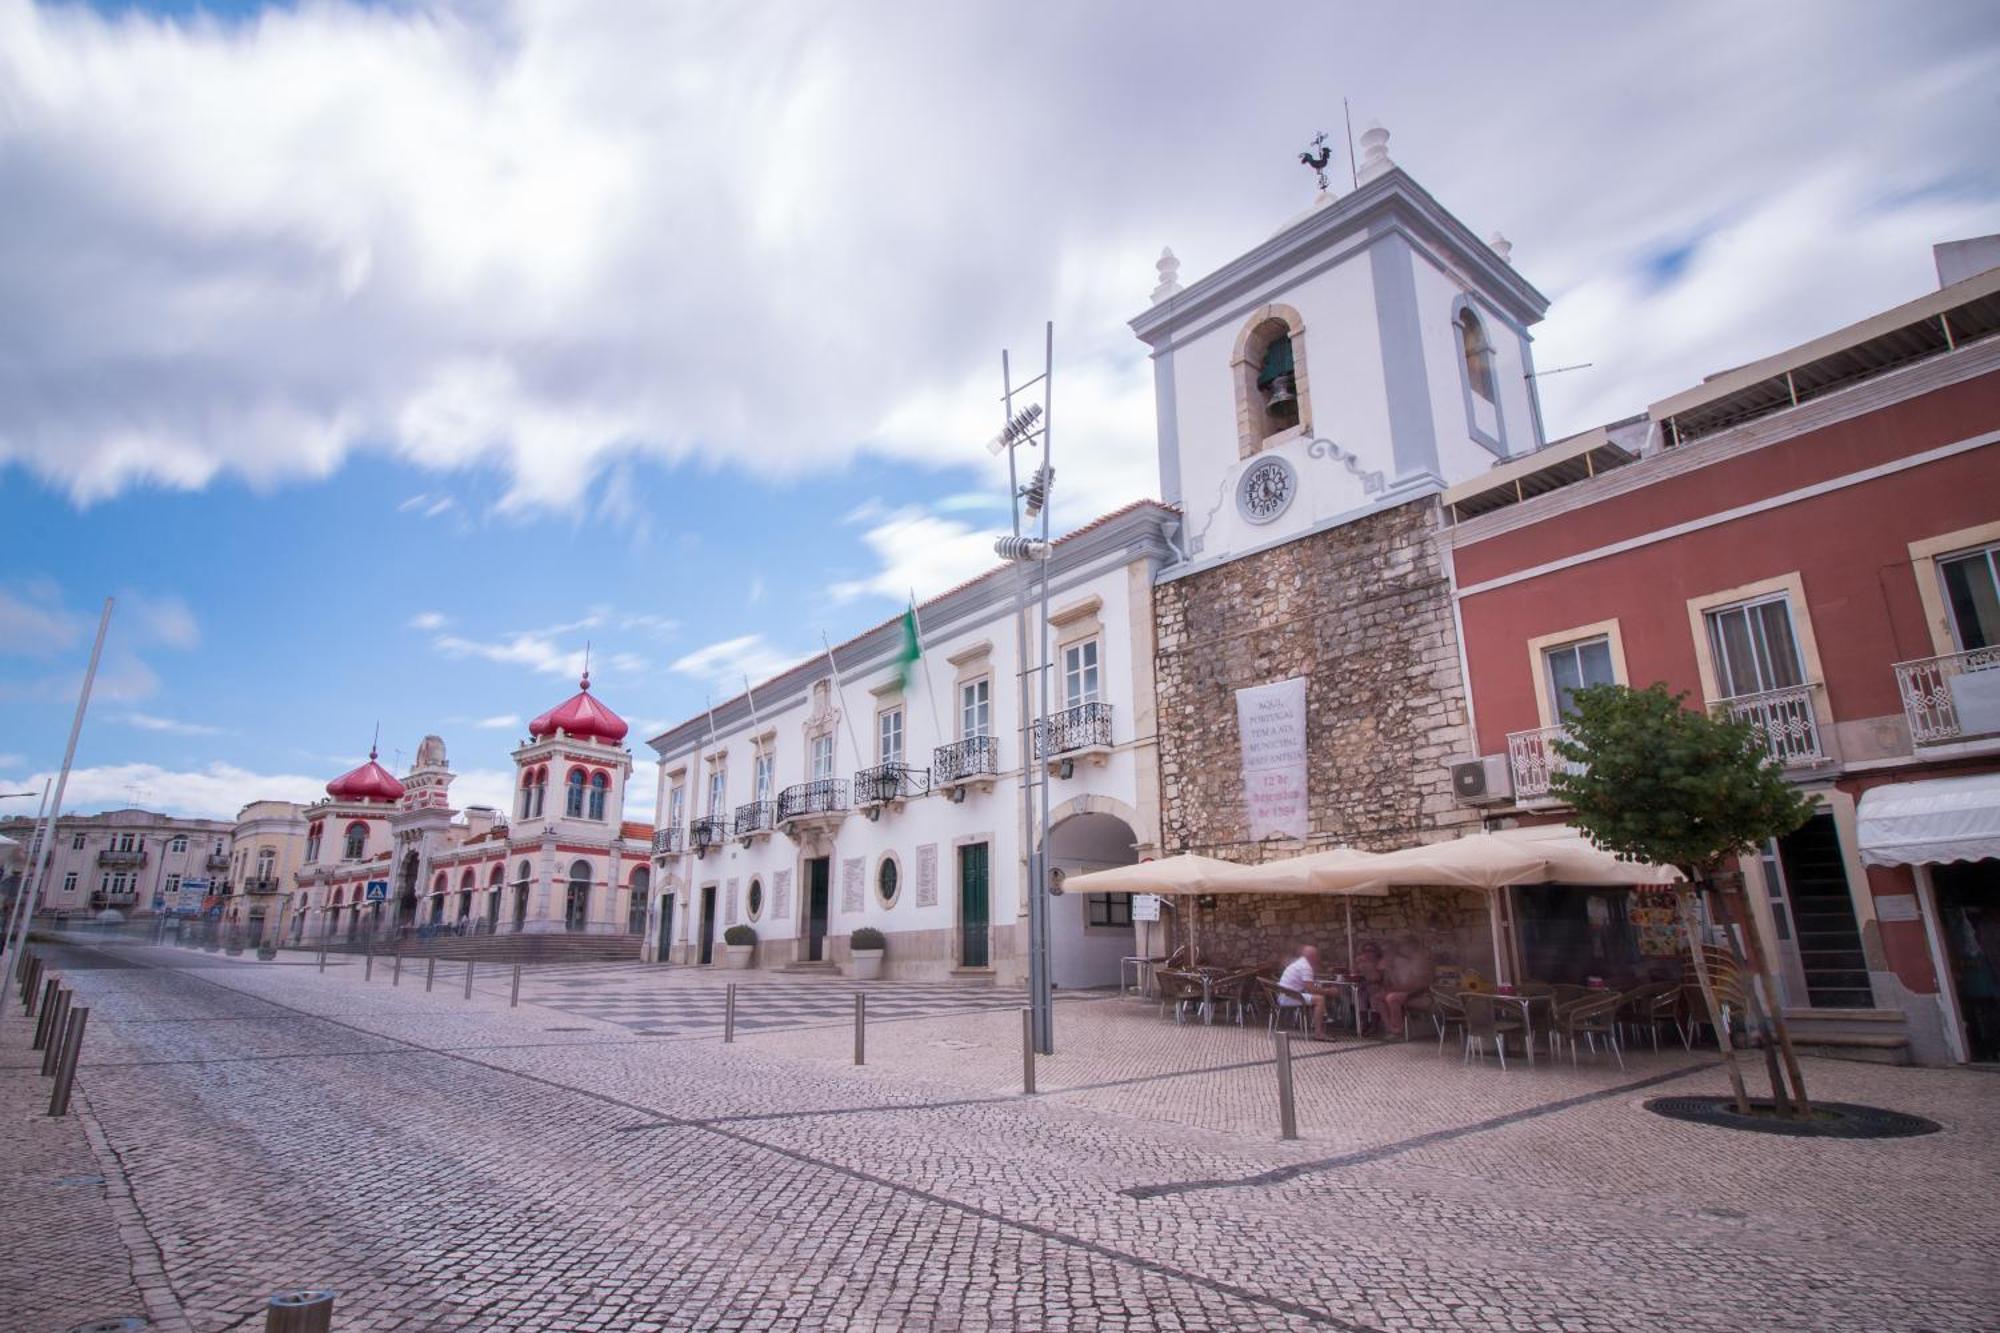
{"points": [[1501, 246], [375, 740], [1374, 151], [1170, 275]]}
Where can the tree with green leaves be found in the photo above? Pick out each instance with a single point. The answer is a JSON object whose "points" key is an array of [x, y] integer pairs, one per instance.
{"points": [[1654, 781]]}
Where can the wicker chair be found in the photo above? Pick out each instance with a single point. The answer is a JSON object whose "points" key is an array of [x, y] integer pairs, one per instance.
{"points": [[1447, 1012], [1589, 1020], [1298, 1012], [1483, 1024], [1180, 991]]}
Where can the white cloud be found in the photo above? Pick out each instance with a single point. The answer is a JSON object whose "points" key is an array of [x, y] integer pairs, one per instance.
{"points": [[501, 722], [166, 621], [36, 624], [642, 790], [429, 620], [535, 649], [552, 236], [215, 792], [919, 551], [148, 722], [725, 665]]}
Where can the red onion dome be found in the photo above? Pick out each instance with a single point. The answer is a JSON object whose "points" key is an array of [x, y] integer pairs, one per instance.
{"points": [[581, 716], [370, 782]]}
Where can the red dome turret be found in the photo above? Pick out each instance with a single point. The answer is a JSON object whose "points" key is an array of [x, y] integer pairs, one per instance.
{"points": [[370, 782], [581, 716]]}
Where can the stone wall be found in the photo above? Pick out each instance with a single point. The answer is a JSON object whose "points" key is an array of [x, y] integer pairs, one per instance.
{"points": [[1362, 611], [1449, 926]]}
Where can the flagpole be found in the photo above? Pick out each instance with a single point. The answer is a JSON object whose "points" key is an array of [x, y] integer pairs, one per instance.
{"points": [[55, 806], [924, 661], [840, 703]]}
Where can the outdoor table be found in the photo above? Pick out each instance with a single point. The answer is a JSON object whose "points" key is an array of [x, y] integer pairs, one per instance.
{"points": [[1142, 974], [1353, 989], [1526, 1003]]}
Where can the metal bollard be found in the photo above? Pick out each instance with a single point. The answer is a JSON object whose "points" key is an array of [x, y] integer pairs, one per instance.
{"points": [[368, 968], [396, 972], [31, 995], [514, 996], [1288, 1114], [860, 1029], [468, 978], [322, 958], [44, 1008], [299, 1312], [52, 1048], [430, 972], [72, 1047], [31, 980], [729, 1012], [1028, 1052]]}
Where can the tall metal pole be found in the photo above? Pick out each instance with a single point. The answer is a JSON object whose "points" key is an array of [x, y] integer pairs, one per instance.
{"points": [[1031, 762], [1044, 996], [21, 892], [62, 783]]}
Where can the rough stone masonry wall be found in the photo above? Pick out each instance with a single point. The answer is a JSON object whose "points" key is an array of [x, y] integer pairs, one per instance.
{"points": [[1364, 613]]}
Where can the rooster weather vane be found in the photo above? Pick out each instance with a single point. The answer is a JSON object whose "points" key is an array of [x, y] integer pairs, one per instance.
{"points": [[1317, 161]]}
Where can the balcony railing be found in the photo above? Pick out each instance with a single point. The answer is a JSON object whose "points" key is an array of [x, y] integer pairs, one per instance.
{"points": [[1533, 762], [220, 860], [756, 817], [262, 885], [973, 757], [1784, 719], [666, 841], [1084, 727], [708, 831], [890, 782], [828, 796], [1951, 698], [123, 860]]}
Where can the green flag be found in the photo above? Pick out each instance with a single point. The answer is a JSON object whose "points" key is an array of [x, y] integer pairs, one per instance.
{"points": [[906, 660]]}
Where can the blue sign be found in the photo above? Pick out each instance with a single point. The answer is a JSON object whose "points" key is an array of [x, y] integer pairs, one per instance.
{"points": [[192, 885], [378, 890], [159, 901]]}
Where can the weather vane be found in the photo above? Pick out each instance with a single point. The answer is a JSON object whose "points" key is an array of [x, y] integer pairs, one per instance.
{"points": [[1317, 161]]}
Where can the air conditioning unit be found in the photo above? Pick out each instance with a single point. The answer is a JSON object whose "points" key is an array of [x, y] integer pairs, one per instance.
{"points": [[1482, 781]]}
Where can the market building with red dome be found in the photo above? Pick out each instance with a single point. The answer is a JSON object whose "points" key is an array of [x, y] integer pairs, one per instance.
{"points": [[388, 856]]}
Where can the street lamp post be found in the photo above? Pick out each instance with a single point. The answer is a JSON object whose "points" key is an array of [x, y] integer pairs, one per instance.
{"points": [[1029, 546]]}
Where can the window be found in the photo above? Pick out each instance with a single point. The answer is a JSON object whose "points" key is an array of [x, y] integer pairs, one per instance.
{"points": [[1755, 649], [76, 843], [975, 709], [1080, 673], [312, 844], [267, 862], [1571, 666], [541, 792], [173, 884], [635, 904], [761, 773], [1269, 371], [357, 841], [1108, 909], [755, 900], [889, 737], [69, 882], [527, 804], [718, 787], [179, 845], [125, 842], [104, 881], [887, 879], [677, 806], [1478, 354], [600, 784], [822, 758], [1972, 597], [573, 806]]}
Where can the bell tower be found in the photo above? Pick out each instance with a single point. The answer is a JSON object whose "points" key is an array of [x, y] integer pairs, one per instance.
{"points": [[1369, 352]]}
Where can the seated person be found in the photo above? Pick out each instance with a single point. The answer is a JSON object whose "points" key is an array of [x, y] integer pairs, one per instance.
{"points": [[1299, 976], [1405, 970]]}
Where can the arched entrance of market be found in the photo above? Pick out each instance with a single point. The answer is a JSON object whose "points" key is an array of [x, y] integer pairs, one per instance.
{"points": [[576, 905], [406, 891], [1090, 932]]}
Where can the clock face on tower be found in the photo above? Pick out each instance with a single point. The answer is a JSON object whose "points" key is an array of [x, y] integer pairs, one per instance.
{"points": [[1266, 490]]}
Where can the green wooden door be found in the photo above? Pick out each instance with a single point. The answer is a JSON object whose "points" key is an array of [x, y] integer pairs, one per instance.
{"points": [[974, 916]]}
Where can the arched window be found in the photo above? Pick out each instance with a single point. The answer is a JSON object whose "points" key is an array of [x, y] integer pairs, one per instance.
{"points": [[312, 843], [494, 883], [635, 910], [527, 793], [1270, 373], [357, 841], [541, 788], [599, 785], [441, 883], [573, 807], [576, 909], [267, 862], [1478, 353], [523, 877]]}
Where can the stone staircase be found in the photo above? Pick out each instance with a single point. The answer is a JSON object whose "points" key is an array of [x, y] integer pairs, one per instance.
{"points": [[1876, 1036]]}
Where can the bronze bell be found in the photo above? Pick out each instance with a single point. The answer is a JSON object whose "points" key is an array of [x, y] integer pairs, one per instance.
{"points": [[1283, 390]]}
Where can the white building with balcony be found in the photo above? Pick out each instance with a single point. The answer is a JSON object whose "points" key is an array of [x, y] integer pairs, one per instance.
{"points": [[849, 792], [133, 862]]}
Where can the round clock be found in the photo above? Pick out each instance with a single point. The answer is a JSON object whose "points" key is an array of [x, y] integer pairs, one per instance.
{"points": [[1266, 489]]}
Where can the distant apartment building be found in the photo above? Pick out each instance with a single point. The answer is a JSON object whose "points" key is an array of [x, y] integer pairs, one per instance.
{"points": [[137, 863], [265, 852]]}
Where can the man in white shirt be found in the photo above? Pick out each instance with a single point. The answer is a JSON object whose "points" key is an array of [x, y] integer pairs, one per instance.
{"points": [[1298, 976]]}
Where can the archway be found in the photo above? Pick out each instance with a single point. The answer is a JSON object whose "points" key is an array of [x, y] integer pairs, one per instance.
{"points": [[1090, 933], [576, 904], [406, 891], [635, 911]]}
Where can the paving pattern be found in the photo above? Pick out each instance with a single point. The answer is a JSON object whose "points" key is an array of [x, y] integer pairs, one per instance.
{"points": [[456, 1164], [655, 1002]]}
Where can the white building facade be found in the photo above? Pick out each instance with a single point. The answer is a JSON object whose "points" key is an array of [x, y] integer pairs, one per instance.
{"points": [[134, 862], [849, 792]]}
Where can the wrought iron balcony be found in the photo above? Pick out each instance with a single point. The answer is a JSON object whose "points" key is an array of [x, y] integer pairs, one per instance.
{"points": [[826, 798], [1084, 727], [125, 860], [890, 782], [1784, 719], [261, 885], [973, 757], [666, 841], [1951, 698], [220, 860], [754, 817], [708, 831], [1533, 762]]}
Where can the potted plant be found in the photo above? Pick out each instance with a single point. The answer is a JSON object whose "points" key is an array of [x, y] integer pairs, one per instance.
{"points": [[267, 950], [867, 945], [737, 944]]}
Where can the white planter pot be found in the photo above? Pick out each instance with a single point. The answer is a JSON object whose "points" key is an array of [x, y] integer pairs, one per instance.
{"points": [[737, 956], [867, 964]]}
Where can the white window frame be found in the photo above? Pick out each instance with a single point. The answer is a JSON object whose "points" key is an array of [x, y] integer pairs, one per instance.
{"points": [[889, 736], [1991, 552], [69, 883], [1761, 652], [718, 787], [975, 708], [1077, 671], [677, 805], [763, 775], [76, 842], [1574, 648], [822, 758], [179, 845]]}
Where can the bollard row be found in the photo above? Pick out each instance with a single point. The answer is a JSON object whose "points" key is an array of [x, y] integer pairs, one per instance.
{"points": [[59, 1026]]}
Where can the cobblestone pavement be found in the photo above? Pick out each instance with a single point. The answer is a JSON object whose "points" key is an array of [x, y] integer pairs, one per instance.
{"points": [[457, 1164]]}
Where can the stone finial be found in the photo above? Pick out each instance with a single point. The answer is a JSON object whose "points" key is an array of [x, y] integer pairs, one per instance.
{"points": [[1501, 246], [1170, 276], [1374, 151]]}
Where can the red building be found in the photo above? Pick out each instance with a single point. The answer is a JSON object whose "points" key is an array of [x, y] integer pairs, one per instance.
{"points": [[1810, 543]]}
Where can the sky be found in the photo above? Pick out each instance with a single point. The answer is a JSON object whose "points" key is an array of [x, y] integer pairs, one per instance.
{"points": [[378, 357]]}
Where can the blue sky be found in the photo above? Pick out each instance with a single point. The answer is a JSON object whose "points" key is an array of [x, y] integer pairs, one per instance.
{"points": [[377, 357]]}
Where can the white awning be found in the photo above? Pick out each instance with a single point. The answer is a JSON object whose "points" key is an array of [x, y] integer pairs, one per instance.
{"points": [[1921, 823]]}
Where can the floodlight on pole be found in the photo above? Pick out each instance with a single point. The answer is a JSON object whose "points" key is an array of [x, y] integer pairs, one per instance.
{"points": [[1036, 493], [1018, 428], [1020, 548]]}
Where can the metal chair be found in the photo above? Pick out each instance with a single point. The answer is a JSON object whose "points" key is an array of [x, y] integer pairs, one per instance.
{"points": [[1298, 1011], [1483, 1024], [1447, 1012], [1179, 990], [1589, 1019]]}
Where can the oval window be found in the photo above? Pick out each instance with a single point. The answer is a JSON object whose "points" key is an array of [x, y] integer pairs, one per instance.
{"points": [[756, 900], [885, 881]]}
